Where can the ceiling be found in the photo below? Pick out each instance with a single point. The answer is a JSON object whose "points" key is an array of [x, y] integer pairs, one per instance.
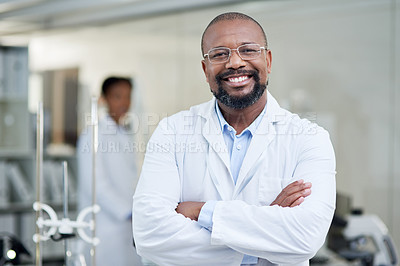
{"points": [[24, 17]]}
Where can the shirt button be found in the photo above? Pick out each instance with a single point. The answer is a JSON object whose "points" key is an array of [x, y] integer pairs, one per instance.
{"points": [[238, 146]]}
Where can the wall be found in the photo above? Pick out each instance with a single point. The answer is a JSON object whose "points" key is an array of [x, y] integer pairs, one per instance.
{"points": [[335, 62]]}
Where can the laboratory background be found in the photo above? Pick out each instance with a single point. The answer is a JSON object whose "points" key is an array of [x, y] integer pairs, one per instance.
{"points": [[334, 62]]}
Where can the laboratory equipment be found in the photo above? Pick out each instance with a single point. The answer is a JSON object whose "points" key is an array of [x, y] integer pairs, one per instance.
{"points": [[12, 250], [369, 230], [359, 237], [63, 229]]}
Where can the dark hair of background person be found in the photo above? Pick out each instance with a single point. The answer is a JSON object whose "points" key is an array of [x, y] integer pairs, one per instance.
{"points": [[109, 82]]}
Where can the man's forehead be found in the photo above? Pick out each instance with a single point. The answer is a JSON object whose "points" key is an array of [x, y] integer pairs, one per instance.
{"points": [[236, 27], [232, 23]]}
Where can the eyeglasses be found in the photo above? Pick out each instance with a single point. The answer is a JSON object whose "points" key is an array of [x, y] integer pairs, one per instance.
{"points": [[221, 55]]}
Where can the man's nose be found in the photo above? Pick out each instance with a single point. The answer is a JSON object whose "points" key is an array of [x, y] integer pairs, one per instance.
{"points": [[235, 61]]}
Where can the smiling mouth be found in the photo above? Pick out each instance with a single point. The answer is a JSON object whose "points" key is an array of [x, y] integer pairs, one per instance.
{"points": [[237, 79]]}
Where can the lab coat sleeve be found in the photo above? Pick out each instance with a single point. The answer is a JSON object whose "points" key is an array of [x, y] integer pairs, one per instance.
{"points": [[161, 234], [285, 235]]}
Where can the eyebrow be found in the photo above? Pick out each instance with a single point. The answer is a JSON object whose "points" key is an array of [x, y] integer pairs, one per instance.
{"points": [[242, 43]]}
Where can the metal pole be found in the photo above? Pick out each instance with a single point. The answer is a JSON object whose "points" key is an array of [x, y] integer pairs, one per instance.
{"points": [[39, 177], [94, 151], [65, 208], [65, 187]]}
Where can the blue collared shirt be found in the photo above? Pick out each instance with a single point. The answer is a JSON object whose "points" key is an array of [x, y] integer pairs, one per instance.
{"points": [[237, 146]]}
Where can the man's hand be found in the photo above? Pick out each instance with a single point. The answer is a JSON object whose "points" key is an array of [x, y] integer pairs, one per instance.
{"points": [[293, 195], [190, 209]]}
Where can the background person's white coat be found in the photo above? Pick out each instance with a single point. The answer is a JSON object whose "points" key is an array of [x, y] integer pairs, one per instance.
{"points": [[116, 175]]}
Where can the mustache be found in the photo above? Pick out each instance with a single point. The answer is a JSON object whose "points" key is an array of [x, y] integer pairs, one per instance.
{"points": [[230, 72]]}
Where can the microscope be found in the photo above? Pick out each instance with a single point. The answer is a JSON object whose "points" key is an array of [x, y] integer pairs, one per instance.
{"points": [[358, 237]]}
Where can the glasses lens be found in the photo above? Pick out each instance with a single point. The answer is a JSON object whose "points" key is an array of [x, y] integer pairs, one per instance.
{"points": [[218, 55], [249, 51]]}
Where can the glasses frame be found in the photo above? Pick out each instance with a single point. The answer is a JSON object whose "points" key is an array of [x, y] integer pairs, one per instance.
{"points": [[230, 53]]}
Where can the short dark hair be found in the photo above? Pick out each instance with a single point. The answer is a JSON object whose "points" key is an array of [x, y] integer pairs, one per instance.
{"points": [[231, 16], [111, 81]]}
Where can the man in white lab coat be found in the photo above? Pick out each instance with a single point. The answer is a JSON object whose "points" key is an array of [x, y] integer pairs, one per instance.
{"points": [[214, 187], [116, 176]]}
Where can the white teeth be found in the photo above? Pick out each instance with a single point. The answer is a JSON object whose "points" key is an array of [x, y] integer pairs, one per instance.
{"points": [[238, 79]]}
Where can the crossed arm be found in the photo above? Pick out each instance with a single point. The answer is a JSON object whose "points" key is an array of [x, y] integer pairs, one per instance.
{"points": [[291, 196]]}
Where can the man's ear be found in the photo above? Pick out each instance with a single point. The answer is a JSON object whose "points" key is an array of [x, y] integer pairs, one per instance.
{"points": [[204, 67], [268, 58]]}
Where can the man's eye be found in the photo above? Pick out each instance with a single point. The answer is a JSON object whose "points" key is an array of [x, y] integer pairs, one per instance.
{"points": [[249, 51], [219, 54]]}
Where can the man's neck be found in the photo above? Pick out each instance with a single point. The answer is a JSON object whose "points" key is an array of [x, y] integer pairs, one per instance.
{"points": [[240, 119]]}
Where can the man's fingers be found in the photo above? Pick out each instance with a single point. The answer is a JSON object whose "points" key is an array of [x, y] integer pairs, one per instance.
{"points": [[190, 209], [292, 192], [295, 187], [290, 200], [297, 202], [288, 190]]}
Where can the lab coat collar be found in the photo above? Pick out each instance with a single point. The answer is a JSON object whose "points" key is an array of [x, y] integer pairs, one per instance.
{"points": [[109, 125], [225, 126], [264, 135], [213, 134]]}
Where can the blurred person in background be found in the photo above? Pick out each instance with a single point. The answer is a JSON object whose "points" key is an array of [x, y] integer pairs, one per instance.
{"points": [[116, 176]]}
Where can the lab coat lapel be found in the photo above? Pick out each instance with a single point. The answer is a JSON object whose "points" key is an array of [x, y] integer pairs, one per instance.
{"points": [[218, 157], [220, 175], [263, 136]]}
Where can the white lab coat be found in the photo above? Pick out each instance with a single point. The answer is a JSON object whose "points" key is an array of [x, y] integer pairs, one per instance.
{"points": [[116, 176], [187, 160]]}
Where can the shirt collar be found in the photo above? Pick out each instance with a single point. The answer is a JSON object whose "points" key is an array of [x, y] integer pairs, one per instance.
{"points": [[110, 122], [251, 128]]}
